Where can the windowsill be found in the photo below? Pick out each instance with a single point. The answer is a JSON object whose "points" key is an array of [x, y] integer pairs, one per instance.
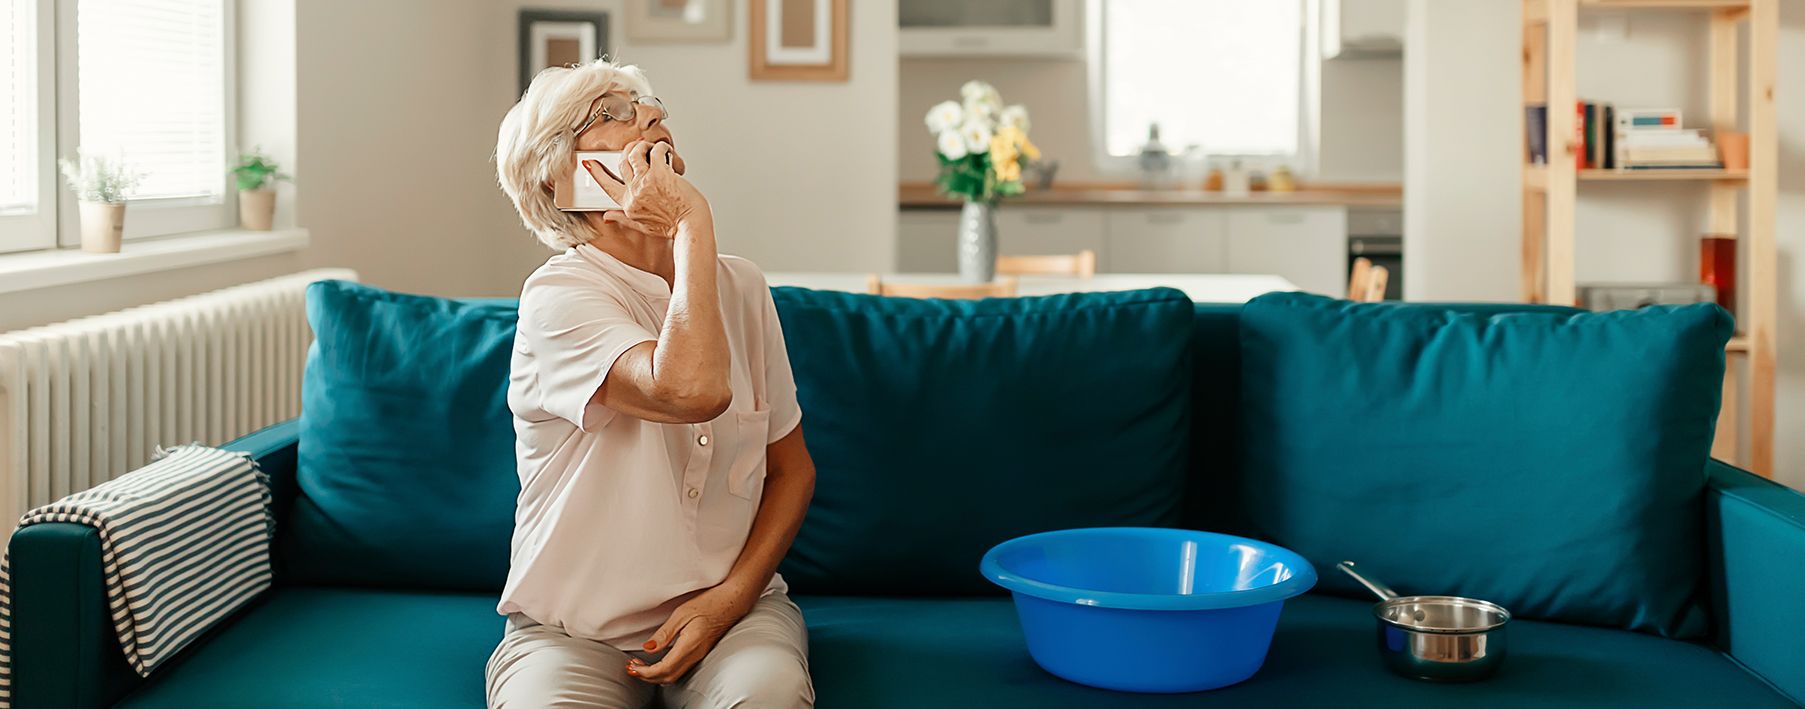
{"points": [[43, 269]]}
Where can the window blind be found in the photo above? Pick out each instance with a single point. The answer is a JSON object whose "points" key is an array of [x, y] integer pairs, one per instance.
{"points": [[1225, 75], [18, 108], [152, 91]]}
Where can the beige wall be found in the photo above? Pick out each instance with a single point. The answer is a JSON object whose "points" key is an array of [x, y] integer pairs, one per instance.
{"points": [[387, 112], [1362, 110], [1462, 200], [801, 175]]}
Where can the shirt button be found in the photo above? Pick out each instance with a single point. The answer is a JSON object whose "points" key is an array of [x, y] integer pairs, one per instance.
{"points": [[693, 493], [702, 440]]}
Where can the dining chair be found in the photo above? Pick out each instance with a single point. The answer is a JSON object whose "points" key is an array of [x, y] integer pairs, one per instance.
{"points": [[1366, 284], [1082, 264], [1002, 287]]}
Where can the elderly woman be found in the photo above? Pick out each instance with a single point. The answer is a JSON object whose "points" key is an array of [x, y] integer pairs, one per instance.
{"points": [[662, 469]]}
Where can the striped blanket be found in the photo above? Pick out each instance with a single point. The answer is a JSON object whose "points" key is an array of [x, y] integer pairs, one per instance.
{"points": [[184, 542]]}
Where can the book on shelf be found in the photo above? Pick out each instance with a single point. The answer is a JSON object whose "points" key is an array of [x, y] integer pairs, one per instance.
{"points": [[1653, 139], [1675, 166], [1606, 138], [1535, 126], [1694, 154], [1652, 119], [1664, 138]]}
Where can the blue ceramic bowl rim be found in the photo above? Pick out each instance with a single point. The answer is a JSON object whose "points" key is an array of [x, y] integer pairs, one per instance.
{"points": [[1303, 576]]}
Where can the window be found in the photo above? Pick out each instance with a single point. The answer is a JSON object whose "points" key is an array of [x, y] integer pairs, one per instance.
{"points": [[152, 92], [18, 83], [1224, 75], [26, 219], [146, 82]]}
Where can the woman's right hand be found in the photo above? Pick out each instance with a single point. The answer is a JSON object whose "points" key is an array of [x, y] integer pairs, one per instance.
{"points": [[654, 199]]}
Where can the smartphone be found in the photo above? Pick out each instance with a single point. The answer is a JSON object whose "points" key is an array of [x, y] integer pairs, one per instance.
{"points": [[576, 190]]}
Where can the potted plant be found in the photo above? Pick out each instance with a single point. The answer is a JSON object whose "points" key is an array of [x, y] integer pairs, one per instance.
{"points": [[981, 146], [257, 176], [101, 185]]}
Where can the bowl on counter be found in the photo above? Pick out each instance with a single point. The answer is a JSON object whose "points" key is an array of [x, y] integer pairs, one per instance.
{"points": [[1147, 610]]}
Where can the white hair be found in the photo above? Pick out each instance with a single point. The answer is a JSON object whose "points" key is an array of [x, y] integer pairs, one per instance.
{"points": [[535, 141]]}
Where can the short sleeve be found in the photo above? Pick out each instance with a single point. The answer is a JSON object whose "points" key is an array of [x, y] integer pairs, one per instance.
{"points": [[575, 329], [780, 382]]}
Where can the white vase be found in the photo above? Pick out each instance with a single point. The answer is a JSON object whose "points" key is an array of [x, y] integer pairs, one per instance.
{"points": [[102, 226], [257, 209]]}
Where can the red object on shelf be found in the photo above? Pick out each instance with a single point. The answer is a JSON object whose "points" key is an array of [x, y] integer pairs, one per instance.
{"points": [[1579, 137], [1717, 267]]}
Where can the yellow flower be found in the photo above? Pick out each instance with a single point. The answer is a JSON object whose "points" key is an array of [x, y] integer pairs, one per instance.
{"points": [[1001, 150], [1008, 171], [1029, 150]]}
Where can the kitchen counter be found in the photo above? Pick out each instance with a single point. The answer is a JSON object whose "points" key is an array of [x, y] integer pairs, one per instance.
{"points": [[921, 195]]}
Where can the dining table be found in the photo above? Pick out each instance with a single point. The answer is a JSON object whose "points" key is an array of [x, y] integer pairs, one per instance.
{"points": [[1201, 287]]}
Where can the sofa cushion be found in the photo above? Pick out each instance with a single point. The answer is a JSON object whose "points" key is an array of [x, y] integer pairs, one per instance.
{"points": [[317, 647], [903, 653], [1553, 463], [406, 456], [940, 428], [337, 647]]}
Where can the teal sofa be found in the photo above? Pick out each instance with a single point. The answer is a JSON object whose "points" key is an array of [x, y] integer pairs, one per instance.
{"points": [[894, 621]]}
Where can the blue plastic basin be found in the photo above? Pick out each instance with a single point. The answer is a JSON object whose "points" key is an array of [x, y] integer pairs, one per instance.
{"points": [[1147, 610]]}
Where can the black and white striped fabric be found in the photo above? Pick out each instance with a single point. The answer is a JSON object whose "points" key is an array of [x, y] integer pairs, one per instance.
{"points": [[184, 542]]}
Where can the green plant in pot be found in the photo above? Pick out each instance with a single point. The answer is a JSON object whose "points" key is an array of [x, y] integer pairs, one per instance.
{"points": [[257, 176], [101, 185]]}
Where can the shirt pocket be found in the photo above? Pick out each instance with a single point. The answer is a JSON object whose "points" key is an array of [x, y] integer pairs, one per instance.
{"points": [[746, 477]]}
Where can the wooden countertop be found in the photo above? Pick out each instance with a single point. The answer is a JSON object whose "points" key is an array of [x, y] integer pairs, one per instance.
{"points": [[921, 195]]}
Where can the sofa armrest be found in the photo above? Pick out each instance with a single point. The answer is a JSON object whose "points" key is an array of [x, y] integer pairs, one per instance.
{"points": [[1755, 536], [65, 651]]}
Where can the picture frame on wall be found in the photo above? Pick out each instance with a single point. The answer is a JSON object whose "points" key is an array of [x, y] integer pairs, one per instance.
{"points": [[797, 40], [679, 20], [551, 38]]}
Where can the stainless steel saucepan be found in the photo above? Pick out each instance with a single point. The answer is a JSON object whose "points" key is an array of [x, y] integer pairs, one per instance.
{"points": [[1436, 638]]}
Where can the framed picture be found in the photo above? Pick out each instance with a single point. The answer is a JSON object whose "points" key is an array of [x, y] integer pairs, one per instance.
{"points": [[551, 38], [797, 40], [679, 20]]}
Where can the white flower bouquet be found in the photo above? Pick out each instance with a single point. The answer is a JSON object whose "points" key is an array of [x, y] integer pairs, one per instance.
{"points": [[980, 144]]}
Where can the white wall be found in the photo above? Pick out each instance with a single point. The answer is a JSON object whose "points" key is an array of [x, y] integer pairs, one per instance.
{"points": [[1462, 191], [1462, 100], [1362, 110]]}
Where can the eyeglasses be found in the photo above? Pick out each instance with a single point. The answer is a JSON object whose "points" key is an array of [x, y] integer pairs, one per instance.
{"points": [[620, 108]]}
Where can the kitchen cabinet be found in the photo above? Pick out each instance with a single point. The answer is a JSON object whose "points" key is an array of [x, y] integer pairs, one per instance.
{"points": [[1362, 28], [992, 28], [1166, 240], [1305, 245], [1033, 231], [927, 241]]}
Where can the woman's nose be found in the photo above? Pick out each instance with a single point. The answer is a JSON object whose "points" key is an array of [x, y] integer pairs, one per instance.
{"points": [[649, 115]]}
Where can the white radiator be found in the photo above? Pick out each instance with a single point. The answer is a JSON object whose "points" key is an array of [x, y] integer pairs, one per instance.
{"points": [[87, 400]]}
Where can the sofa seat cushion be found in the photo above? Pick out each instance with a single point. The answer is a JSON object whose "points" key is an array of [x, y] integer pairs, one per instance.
{"points": [[337, 647], [878, 653]]}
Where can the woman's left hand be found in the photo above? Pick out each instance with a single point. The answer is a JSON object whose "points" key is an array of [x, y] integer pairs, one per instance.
{"points": [[692, 631]]}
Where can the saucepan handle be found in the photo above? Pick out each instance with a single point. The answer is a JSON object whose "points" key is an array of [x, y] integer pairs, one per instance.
{"points": [[1383, 591]]}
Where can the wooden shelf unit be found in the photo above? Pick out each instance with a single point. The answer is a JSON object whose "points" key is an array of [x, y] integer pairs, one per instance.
{"points": [[1550, 192]]}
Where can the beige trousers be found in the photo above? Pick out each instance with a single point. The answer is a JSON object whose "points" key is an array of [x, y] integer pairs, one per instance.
{"points": [[761, 662]]}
